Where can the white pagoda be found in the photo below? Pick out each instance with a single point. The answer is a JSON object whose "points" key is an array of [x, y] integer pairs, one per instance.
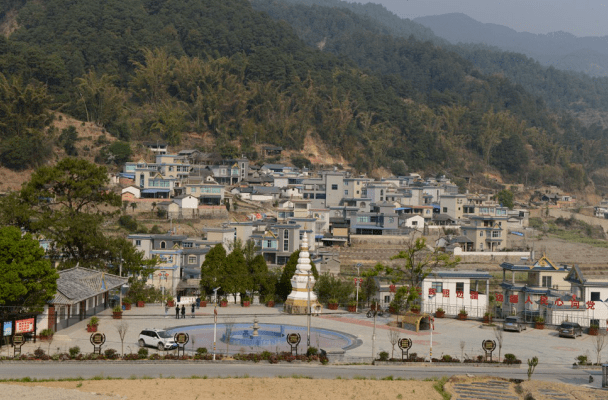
{"points": [[302, 282]]}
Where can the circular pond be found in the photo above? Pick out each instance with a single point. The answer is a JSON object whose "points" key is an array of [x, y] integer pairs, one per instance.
{"points": [[239, 337]]}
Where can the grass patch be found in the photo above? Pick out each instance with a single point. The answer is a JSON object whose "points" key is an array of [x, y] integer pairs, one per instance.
{"points": [[438, 386]]}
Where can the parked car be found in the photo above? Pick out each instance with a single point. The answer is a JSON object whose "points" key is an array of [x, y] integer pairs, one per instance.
{"points": [[513, 324], [570, 329], [158, 338]]}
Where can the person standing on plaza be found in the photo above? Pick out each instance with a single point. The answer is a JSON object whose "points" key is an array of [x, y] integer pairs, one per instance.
{"points": [[192, 310], [166, 309], [198, 302], [183, 311], [177, 311]]}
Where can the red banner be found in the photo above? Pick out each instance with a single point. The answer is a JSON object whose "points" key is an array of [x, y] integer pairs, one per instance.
{"points": [[24, 325]]}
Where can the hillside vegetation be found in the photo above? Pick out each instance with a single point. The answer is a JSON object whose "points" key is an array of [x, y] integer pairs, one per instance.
{"points": [[144, 69]]}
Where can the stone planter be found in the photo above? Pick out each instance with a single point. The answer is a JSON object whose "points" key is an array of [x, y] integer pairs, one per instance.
{"points": [[45, 338], [352, 308], [487, 319], [223, 304], [203, 304], [539, 325], [141, 303], [415, 311], [439, 314], [117, 315], [127, 306], [246, 303], [593, 331], [270, 303], [91, 328], [332, 306], [462, 317], [171, 303]]}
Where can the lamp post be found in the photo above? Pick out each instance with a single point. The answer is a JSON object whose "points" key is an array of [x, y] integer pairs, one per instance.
{"points": [[357, 283], [308, 312], [374, 338], [215, 318]]}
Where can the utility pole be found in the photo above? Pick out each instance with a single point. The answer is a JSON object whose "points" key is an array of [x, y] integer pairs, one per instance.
{"points": [[357, 283], [308, 316], [215, 319], [374, 338], [120, 289]]}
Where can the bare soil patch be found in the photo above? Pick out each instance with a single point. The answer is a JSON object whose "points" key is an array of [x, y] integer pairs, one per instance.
{"points": [[253, 389]]}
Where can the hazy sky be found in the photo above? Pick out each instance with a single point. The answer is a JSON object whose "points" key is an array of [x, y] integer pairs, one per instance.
{"points": [[579, 17]]}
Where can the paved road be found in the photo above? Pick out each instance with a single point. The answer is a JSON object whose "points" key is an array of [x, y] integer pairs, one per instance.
{"points": [[211, 370]]}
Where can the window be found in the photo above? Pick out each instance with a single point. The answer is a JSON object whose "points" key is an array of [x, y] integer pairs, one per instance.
{"points": [[188, 244], [546, 281], [438, 286], [495, 234], [460, 286], [346, 192], [481, 233], [387, 299], [334, 187], [445, 209], [191, 259], [595, 296], [163, 245], [285, 240], [414, 223], [138, 242]]}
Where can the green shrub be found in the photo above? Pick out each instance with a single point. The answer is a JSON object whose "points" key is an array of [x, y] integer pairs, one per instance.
{"points": [[142, 353], [201, 350], [74, 351], [312, 351], [383, 356], [38, 353], [128, 222]]}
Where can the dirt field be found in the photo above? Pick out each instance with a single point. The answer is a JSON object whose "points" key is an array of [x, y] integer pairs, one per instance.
{"points": [[296, 389], [254, 389]]}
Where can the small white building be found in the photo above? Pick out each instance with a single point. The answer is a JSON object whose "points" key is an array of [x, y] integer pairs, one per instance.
{"points": [[413, 221], [186, 201], [450, 290], [133, 190]]}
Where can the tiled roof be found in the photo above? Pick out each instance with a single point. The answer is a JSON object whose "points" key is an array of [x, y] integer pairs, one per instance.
{"points": [[78, 284]]}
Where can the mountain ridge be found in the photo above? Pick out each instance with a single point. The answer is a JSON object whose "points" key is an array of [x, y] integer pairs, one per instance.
{"points": [[551, 49]]}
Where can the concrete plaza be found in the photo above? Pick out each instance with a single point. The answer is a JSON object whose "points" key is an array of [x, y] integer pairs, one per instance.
{"points": [[448, 337]]}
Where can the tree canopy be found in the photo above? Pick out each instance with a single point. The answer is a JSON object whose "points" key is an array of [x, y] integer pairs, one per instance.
{"points": [[27, 279]]}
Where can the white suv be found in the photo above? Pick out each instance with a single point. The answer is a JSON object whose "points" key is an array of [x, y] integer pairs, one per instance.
{"points": [[158, 338]]}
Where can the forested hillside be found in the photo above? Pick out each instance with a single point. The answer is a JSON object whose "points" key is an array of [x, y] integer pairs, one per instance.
{"points": [[147, 69]]}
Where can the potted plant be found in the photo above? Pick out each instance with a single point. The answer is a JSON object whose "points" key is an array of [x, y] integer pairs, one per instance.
{"points": [[170, 301], [269, 299], [539, 323], [141, 300], [223, 302], [126, 304], [203, 302], [46, 334], [415, 308], [462, 314], [332, 304], [92, 325], [117, 312], [352, 306], [594, 329], [439, 313], [246, 301], [487, 317]]}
